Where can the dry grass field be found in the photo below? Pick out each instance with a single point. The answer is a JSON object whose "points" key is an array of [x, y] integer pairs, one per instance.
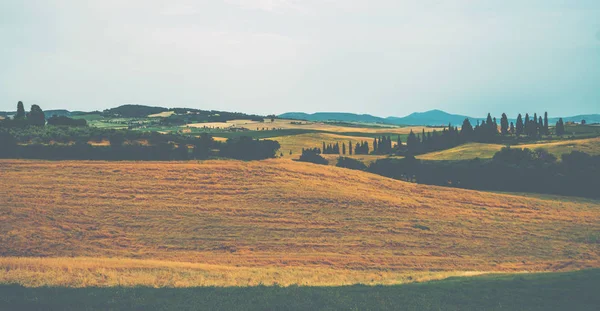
{"points": [[307, 125], [274, 221], [296, 143], [478, 150], [162, 114]]}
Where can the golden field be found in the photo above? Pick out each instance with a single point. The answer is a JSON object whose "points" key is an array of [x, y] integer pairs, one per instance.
{"points": [[105, 272], [308, 125], [296, 143], [275, 221], [479, 150]]}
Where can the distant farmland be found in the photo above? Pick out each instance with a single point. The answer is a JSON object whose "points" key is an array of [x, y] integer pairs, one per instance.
{"points": [[270, 222]]}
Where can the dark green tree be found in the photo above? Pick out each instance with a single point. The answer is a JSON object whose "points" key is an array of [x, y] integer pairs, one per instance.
{"points": [[20, 111], [412, 142], [534, 127], [560, 127], [116, 140], [466, 131], [520, 127], [546, 129], [8, 144], [526, 129], [36, 116], [504, 124]]}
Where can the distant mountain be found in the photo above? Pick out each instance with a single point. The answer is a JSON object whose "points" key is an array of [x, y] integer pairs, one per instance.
{"points": [[333, 116], [432, 117], [589, 118]]}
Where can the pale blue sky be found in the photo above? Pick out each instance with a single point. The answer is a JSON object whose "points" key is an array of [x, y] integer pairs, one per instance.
{"points": [[383, 57]]}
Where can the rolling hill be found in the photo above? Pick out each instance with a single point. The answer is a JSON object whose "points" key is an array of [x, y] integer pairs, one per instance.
{"points": [[483, 151], [274, 221]]}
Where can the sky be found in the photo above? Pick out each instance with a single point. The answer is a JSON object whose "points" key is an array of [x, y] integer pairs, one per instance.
{"points": [[381, 57]]}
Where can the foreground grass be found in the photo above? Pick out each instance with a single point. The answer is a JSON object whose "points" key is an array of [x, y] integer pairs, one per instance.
{"points": [[107, 272], [550, 291], [281, 214]]}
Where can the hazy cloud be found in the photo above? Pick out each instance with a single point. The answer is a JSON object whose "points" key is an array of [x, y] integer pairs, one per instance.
{"points": [[385, 57]]}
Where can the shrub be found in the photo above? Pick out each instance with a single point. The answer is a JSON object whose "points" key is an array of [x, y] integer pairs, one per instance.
{"points": [[313, 156], [350, 163]]}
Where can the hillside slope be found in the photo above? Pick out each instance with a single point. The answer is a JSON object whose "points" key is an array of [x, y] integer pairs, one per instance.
{"points": [[483, 151], [280, 213]]}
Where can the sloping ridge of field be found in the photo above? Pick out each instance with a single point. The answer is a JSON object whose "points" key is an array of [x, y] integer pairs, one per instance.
{"points": [[480, 150], [275, 221]]}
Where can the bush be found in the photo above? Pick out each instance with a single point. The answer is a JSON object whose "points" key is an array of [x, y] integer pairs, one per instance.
{"points": [[350, 163], [66, 121], [246, 148], [313, 156]]}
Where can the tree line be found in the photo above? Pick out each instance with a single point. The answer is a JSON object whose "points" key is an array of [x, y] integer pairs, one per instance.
{"points": [[516, 170], [484, 131], [27, 135]]}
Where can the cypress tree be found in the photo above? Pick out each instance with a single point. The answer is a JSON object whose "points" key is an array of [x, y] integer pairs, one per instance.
{"points": [[344, 148], [20, 111], [560, 127], [375, 145], [541, 127], [520, 126], [546, 130], [350, 147], [504, 124], [466, 131], [526, 129], [512, 128], [411, 142]]}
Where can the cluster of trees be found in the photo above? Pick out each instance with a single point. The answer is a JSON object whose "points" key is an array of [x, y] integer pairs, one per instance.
{"points": [[360, 148], [35, 117], [313, 156], [520, 170], [66, 121], [333, 148], [487, 130], [430, 141], [247, 148], [26, 136], [383, 145], [163, 149], [351, 163]]}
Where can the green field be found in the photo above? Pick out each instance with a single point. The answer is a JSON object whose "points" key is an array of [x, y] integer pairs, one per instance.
{"points": [[548, 291]]}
